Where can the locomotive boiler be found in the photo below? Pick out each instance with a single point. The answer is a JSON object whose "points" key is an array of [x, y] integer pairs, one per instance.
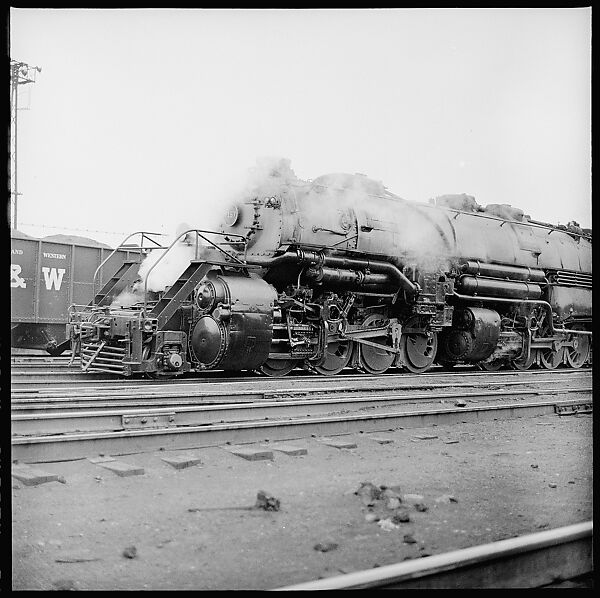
{"points": [[338, 272]]}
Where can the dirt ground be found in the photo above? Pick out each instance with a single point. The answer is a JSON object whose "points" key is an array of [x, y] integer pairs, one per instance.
{"points": [[188, 529]]}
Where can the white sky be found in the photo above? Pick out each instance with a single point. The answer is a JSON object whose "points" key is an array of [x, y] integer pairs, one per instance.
{"points": [[142, 119]]}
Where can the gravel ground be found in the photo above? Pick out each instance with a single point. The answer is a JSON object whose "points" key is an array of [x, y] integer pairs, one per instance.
{"points": [[195, 528]]}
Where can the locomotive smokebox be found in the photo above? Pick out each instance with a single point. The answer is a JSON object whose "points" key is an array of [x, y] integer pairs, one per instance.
{"points": [[208, 340], [256, 219]]}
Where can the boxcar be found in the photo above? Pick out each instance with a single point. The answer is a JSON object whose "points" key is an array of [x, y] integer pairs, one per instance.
{"points": [[46, 276]]}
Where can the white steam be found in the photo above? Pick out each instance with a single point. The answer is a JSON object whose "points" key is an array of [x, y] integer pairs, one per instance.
{"points": [[265, 179], [161, 268], [396, 228], [268, 177], [128, 297]]}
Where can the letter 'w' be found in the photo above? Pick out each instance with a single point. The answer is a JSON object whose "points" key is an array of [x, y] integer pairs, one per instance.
{"points": [[53, 277]]}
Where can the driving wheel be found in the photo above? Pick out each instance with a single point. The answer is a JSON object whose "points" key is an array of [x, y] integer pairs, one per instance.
{"points": [[577, 354], [550, 358], [418, 351], [373, 359], [278, 367], [523, 364], [335, 358], [491, 366]]}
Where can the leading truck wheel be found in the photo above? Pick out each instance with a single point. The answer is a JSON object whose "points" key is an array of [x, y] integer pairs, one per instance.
{"points": [[523, 364], [418, 351], [54, 351], [491, 366], [278, 367]]}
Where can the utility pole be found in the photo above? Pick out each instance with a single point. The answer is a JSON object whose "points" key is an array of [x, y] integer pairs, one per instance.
{"points": [[20, 74]]}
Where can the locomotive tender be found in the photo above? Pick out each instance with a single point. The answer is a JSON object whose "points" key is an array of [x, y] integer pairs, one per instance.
{"points": [[339, 272]]}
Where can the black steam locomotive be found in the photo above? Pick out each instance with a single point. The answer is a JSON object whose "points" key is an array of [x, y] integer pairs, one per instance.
{"points": [[339, 272]]}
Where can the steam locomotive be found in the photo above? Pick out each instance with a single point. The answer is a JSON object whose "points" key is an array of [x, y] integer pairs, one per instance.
{"points": [[339, 272]]}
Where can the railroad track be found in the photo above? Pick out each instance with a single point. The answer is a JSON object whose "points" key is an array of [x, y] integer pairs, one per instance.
{"points": [[45, 434], [25, 380], [107, 395], [59, 369], [60, 420], [530, 561]]}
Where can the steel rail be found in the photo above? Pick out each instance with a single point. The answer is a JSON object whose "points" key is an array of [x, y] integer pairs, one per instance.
{"points": [[529, 561], [79, 445], [112, 418], [187, 390], [465, 369], [17, 378]]}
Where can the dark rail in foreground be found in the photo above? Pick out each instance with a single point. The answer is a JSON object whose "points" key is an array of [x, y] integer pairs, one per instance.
{"points": [[530, 561]]}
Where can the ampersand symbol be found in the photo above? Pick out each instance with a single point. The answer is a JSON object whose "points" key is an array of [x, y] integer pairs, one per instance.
{"points": [[15, 280]]}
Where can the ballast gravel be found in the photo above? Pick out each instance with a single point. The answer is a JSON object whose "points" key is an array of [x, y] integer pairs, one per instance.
{"points": [[192, 528]]}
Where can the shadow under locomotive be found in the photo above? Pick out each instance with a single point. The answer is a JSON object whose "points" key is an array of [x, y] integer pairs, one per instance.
{"points": [[324, 275]]}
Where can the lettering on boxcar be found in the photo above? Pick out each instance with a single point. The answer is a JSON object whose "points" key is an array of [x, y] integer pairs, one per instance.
{"points": [[15, 280], [58, 256], [53, 277]]}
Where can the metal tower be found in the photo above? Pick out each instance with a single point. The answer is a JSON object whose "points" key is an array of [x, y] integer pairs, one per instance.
{"points": [[20, 74]]}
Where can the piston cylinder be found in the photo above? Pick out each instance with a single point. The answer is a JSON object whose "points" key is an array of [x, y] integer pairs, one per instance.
{"points": [[473, 336], [510, 346]]}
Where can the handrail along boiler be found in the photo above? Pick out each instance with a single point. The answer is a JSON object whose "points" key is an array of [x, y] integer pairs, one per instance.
{"points": [[339, 272]]}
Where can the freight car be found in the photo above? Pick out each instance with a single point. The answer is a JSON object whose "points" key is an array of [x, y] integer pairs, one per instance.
{"points": [[339, 272], [46, 276]]}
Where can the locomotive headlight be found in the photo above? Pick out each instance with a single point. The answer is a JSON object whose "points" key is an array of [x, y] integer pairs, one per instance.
{"points": [[147, 326], [205, 295]]}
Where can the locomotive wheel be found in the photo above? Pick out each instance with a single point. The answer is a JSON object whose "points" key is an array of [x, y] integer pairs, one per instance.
{"points": [[162, 376], [418, 351], [278, 367], [551, 359], [579, 352], [371, 359], [336, 358], [54, 351], [492, 366], [519, 364]]}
